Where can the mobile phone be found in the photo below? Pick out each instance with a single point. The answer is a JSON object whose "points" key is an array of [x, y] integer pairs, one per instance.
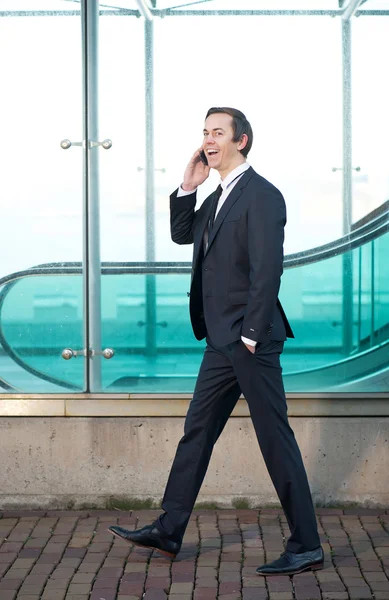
{"points": [[203, 158]]}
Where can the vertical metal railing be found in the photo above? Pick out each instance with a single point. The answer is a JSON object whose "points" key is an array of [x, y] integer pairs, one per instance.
{"points": [[151, 309], [359, 322], [91, 255], [372, 294], [347, 305]]}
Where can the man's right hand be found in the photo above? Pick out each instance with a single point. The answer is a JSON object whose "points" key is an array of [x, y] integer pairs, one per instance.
{"points": [[196, 173]]}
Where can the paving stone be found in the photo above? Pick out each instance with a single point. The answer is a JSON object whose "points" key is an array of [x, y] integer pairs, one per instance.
{"points": [[181, 588], [203, 582], [102, 595], [80, 588], [155, 594], [8, 595], [255, 594], [162, 583], [360, 593], [203, 593], [308, 593], [57, 584], [280, 596]]}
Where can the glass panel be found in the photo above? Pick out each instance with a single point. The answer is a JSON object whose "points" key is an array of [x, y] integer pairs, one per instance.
{"points": [[122, 197], [122, 119], [41, 185], [370, 113], [381, 285], [40, 316]]}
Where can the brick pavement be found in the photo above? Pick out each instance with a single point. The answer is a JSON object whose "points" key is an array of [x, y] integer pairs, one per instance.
{"points": [[70, 555]]}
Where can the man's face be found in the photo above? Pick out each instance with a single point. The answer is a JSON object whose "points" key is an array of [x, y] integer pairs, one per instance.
{"points": [[221, 151]]}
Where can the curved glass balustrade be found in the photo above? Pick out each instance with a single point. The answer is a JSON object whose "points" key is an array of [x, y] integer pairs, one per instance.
{"points": [[336, 297]]}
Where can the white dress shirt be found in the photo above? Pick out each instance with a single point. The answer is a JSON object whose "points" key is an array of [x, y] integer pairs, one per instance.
{"points": [[228, 184]]}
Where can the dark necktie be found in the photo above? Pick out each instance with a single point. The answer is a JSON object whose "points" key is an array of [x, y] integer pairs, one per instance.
{"points": [[217, 193]]}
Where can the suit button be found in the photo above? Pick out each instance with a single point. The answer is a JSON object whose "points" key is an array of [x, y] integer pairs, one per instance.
{"points": [[188, 294]]}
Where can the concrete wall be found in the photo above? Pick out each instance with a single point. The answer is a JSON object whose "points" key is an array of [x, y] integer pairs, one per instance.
{"points": [[71, 461]]}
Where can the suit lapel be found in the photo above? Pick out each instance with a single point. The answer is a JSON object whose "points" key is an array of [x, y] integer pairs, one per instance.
{"points": [[228, 204]]}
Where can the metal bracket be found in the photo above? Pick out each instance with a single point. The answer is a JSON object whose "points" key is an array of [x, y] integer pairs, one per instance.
{"points": [[106, 144], [139, 169], [341, 169], [69, 353]]}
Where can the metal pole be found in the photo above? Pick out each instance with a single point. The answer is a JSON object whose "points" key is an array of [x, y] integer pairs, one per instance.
{"points": [[93, 203], [372, 296], [151, 312], [85, 249], [347, 132], [359, 325], [347, 188]]}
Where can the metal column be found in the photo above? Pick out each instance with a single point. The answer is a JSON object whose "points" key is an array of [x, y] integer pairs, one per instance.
{"points": [[347, 267], [92, 262], [151, 309], [347, 127]]}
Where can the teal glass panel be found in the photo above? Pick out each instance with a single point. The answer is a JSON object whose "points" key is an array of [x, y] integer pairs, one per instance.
{"points": [[381, 286], [40, 317], [150, 332]]}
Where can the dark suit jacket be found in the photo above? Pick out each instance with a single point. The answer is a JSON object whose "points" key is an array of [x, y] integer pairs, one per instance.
{"points": [[234, 289]]}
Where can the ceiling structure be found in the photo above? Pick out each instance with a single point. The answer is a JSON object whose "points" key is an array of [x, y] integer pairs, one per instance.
{"points": [[162, 8]]}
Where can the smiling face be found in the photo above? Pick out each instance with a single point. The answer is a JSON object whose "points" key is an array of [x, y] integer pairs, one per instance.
{"points": [[222, 152]]}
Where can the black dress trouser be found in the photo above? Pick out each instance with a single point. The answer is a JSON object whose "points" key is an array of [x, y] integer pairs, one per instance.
{"points": [[225, 373]]}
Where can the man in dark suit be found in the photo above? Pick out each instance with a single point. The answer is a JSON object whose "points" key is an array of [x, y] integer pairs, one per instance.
{"points": [[238, 235]]}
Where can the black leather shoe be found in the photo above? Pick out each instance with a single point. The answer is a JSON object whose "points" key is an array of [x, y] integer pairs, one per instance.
{"points": [[148, 537], [291, 563]]}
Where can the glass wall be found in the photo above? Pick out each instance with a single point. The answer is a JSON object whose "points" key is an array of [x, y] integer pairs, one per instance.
{"points": [[73, 214]]}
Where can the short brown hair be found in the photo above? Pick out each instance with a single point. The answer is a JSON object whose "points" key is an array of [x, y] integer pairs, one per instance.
{"points": [[240, 125]]}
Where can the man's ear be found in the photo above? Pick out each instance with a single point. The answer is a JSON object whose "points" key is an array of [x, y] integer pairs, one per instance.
{"points": [[243, 142]]}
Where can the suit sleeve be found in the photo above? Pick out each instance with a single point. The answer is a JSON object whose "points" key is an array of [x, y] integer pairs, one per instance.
{"points": [[182, 216], [266, 223]]}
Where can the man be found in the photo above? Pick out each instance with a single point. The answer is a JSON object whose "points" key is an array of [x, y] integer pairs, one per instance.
{"points": [[238, 235]]}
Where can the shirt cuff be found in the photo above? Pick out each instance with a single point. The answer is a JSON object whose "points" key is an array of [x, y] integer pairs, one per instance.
{"points": [[248, 342], [182, 192]]}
